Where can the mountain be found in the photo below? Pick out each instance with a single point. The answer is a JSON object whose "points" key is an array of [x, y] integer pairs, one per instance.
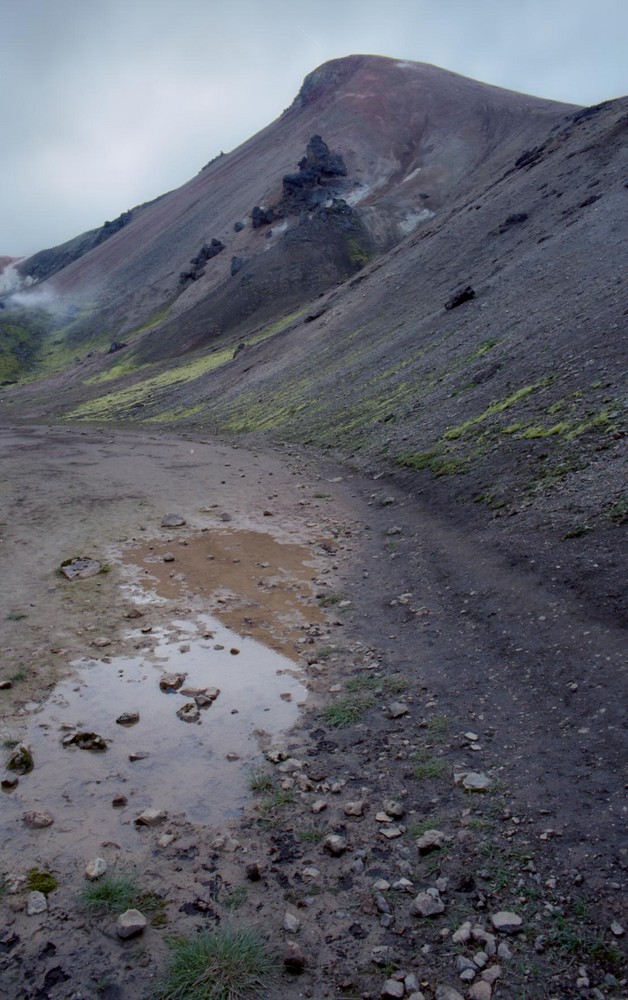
{"points": [[307, 285]]}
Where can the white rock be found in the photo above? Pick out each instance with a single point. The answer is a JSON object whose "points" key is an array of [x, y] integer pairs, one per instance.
{"points": [[36, 903], [617, 929], [506, 922], [319, 805], [392, 832], [476, 782], [397, 710], [393, 808], [129, 923], [335, 845], [150, 817], [38, 819], [463, 934], [427, 905], [291, 923], [354, 808], [95, 869], [492, 974]]}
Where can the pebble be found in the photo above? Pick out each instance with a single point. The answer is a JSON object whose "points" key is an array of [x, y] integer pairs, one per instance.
{"points": [[431, 840], [476, 782], [189, 712], [171, 682], [118, 801], [319, 805], [253, 872], [95, 869], [5, 685], [397, 709], [392, 832], [293, 958], [355, 808], [392, 989], [393, 808], [506, 922], [36, 903], [172, 521], [8, 784], [335, 845], [291, 923], [21, 759], [168, 557], [150, 817], [463, 934], [617, 929], [492, 974], [37, 820], [128, 718], [101, 641], [427, 904], [480, 991], [447, 993], [130, 923]]}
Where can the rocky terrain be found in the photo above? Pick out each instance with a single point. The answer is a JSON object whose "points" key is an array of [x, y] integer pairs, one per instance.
{"points": [[381, 388]]}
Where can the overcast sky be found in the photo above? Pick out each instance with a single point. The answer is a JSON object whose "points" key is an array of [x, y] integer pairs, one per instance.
{"points": [[105, 104]]}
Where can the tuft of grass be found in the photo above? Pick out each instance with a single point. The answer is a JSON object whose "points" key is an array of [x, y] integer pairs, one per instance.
{"points": [[426, 766], [382, 685], [324, 652], [226, 964], [116, 893], [577, 531], [348, 710], [310, 834], [418, 829], [16, 616], [19, 675], [438, 724], [236, 898], [261, 781], [329, 600], [4, 888]]}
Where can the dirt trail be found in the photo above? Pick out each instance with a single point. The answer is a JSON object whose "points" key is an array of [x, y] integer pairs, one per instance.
{"points": [[425, 654]]}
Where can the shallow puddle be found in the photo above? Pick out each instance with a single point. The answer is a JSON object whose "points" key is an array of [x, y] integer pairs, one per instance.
{"points": [[198, 770]]}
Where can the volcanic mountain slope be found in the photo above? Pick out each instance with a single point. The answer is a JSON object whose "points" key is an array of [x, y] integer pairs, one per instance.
{"points": [[283, 218]]}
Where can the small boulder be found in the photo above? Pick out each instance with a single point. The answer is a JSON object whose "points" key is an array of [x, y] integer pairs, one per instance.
{"points": [[291, 923], [427, 904], [130, 923], [506, 922], [335, 845], [80, 568], [95, 869], [128, 718], [393, 990], [189, 712], [21, 759], [172, 521], [431, 840], [150, 817], [85, 741], [36, 903], [171, 682], [293, 958], [38, 819], [460, 296]]}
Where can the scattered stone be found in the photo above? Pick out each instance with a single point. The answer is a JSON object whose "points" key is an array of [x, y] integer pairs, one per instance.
{"points": [[138, 755], [617, 929], [168, 557], [355, 808], [37, 819], [393, 808], [393, 989], [203, 700], [95, 869], [128, 718], [166, 839], [134, 613], [504, 951], [392, 832], [335, 845], [85, 741], [172, 521], [319, 805], [480, 991], [80, 568], [150, 817], [101, 641], [21, 759], [36, 903], [460, 296], [463, 934], [293, 958], [447, 993], [463, 964], [8, 784], [431, 840], [253, 872], [506, 922], [130, 923], [171, 682], [475, 782], [118, 801], [394, 531], [427, 904], [397, 709], [5, 685], [492, 974], [291, 923]]}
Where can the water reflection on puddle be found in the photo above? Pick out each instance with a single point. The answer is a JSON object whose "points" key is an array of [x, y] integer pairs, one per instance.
{"points": [[196, 769]]}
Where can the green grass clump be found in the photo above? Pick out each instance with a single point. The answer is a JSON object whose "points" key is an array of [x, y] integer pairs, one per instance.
{"points": [[426, 766], [116, 893], [348, 710], [382, 685], [226, 964], [4, 888], [261, 781], [38, 881], [235, 898], [329, 600]]}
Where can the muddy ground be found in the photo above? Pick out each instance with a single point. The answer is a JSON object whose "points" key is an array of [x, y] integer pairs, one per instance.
{"points": [[403, 653]]}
